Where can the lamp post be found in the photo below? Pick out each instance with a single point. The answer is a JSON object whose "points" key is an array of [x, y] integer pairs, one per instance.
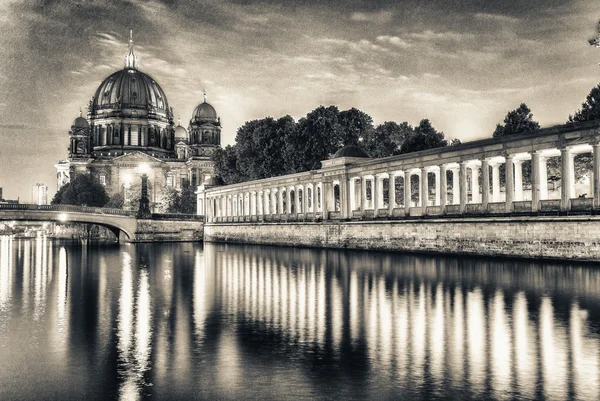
{"points": [[144, 209]]}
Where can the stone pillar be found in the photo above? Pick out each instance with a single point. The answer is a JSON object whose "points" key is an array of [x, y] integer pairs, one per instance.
{"points": [[345, 208], [296, 201], [424, 190], [485, 191], [443, 187], [566, 186], [462, 177], [535, 181], [363, 194], [392, 194], [407, 192], [475, 184], [437, 187], [518, 180], [596, 175], [496, 182], [326, 191], [510, 183], [375, 188], [455, 187]]}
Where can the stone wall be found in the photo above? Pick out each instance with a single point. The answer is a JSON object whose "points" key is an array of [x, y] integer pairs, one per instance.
{"points": [[168, 230], [573, 237]]}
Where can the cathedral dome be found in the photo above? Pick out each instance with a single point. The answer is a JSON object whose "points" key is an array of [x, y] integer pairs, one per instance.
{"points": [[205, 112], [350, 151], [130, 92], [80, 122], [181, 134]]}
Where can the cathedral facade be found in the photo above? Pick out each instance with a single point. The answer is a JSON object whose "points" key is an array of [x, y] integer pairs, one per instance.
{"points": [[129, 130]]}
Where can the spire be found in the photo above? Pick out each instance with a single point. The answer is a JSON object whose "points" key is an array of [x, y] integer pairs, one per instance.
{"points": [[80, 112], [204, 95], [179, 120], [131, 60]]}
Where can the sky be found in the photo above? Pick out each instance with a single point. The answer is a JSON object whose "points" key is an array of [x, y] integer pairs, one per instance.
{"points": [[463, 64]]}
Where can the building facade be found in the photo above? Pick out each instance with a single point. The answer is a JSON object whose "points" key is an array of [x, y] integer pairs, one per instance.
{"points": [[39, 194], [129, 130]]}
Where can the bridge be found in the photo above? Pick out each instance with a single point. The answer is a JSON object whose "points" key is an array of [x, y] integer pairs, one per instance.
{"points": [[159, 227]]}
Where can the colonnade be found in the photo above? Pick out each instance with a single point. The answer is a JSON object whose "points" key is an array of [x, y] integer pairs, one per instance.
{"points": [[462, 179]]}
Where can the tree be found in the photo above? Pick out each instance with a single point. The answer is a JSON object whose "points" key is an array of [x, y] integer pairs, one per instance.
{"points": [[387, 139], [354, 124], [517, 121], [424, 137], [116, 201], [226, 165], [186, 200], [590, 109], [169, 200], [83, 190], [316, 138]]}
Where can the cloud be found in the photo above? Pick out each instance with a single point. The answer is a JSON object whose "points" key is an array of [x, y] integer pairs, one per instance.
{"points": [[361, 46], [496, 18], [429, 35], [377, 17], [394, 40]]}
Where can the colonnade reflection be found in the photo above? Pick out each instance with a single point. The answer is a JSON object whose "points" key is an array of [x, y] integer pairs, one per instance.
{"points": [[496, 340], [174, 321]]}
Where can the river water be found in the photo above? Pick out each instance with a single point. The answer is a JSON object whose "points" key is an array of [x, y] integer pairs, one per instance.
{"points": [[186, 321]]}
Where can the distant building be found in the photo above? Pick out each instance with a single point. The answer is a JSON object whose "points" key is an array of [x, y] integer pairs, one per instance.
{"points": [[1, 194], [39, 194], [129, 129]]}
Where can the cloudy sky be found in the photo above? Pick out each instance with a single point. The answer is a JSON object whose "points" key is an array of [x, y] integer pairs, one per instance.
{"points": [[461, 63]]}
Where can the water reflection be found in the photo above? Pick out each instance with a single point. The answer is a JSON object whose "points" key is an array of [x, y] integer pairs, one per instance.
{"points": [[179, 321]]}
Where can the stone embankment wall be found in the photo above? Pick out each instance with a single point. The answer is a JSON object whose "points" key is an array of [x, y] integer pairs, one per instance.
{"points": [[168, 230], [573, 238]]}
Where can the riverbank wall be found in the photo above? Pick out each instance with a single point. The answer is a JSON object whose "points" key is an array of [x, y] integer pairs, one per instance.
{"points": [[562, 238]]}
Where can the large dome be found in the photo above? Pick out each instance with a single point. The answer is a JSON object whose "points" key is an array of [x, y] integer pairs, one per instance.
{"points": [[131, 93], [204, 112]]}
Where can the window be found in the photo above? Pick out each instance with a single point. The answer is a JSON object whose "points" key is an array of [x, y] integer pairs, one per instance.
{"points": [[169, 180], [103, 179]]}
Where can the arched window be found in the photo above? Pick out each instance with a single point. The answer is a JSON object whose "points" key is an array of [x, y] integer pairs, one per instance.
{"points": [[283, 201], [292, 201], [336, 197], [300, 200], [319, 205], [309, 193]]}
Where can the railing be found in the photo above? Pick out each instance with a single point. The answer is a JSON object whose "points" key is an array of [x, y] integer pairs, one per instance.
{"points": [[67, 208], [177, 216], [576, 206]]}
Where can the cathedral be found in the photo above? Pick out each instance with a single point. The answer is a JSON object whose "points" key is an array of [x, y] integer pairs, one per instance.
{"points": [[129, 130]]}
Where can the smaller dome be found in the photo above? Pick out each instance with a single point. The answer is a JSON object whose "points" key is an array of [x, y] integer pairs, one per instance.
{"points": [[81, 122], [213, 182], [205, 112], [181, 134], [350, 151]]}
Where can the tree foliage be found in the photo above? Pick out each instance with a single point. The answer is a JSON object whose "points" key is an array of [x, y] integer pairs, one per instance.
{"points": [[590, 109], [424, 137], [175, 201], [517, 121], [268, 147], [83, 190]]}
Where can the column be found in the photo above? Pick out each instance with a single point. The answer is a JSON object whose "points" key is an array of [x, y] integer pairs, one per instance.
{"points": [[496, 182], [437, 187], [566, 174], [424, 192], [510, 183], [475, 184], [518, 180], [535, 181], [375, 194], [455, 187], [462, 177], [325, 201], [363, 194], [407, 192], [443, 187], [392, 194], [345, 207], [296, 200], [485, 191], [596, 175]]}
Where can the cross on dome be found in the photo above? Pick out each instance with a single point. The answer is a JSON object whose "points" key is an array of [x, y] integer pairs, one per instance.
{"points": [[131, 60]]}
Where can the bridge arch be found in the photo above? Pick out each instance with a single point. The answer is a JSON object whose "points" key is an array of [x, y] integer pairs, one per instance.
{"points": [[115, 220]]}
